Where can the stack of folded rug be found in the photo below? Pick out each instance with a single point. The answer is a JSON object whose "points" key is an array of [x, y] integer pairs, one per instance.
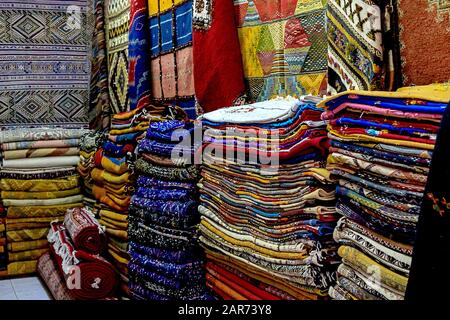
{"points": [[380, 154], [3, 252], [166, 260], [267, 208], [89, 144], [113, 182], [75, 269], [38, 184]]}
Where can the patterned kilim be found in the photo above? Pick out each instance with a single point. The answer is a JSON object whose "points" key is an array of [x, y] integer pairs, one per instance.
{"points": [[424, 41], [355, 47], [117, 20], [45, 72], [99, 112], [171, 53], [283, 45]]}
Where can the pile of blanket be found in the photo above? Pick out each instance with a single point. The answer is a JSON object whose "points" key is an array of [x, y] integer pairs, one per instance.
{"points": [[75, 270], [267, 207], [38, 182], [166, 260], [3, 252], [89, 144], [381, 148], [113, 182]]}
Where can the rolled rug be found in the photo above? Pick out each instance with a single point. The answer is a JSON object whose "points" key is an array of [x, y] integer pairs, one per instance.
{"points": [[89, 277], [85, 231], [49, 273]]}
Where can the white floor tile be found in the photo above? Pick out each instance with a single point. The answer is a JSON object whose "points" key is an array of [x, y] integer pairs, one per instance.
{"points": [[7, 291], [30, 288]]}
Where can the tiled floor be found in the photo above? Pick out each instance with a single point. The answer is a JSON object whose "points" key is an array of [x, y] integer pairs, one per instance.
{"points": [[23, 289]]}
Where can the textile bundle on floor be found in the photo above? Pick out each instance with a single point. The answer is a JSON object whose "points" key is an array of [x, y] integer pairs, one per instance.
{"points": [[113, 181], [283, 46], [38, 182], [87, 276], [89, 144], [267, 212], [84, 230], [166, 261], [381, 148]]}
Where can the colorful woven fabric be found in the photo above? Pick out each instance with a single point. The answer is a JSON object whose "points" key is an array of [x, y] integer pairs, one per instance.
{"points": [[283, 45], [117, 21], [138, 58], [381, 148], [52, 85], [171, 65], [99, 104], [216, 44], [355, 46]]}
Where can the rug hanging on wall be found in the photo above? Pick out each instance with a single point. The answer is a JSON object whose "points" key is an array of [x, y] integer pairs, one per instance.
{"points": [[172, 76], [117, 21], [424, 41], [44, 61], [283, 46]]}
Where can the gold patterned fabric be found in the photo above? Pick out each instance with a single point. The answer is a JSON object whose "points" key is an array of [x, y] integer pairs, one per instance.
{"points": [[40, 184]]}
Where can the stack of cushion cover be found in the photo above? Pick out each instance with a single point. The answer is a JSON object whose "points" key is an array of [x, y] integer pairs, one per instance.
{"points": [[166, 261], [76, 245], [89, 144], [38, 184], [267, 218], [113, 182], [381, 148]]}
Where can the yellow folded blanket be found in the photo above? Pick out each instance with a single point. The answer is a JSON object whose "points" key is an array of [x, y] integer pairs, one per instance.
{"points": [[27, 245], [39, 195], [26, 255], [101, 177], [27, 234], [40, 211], [22, 267], [39, 184]]}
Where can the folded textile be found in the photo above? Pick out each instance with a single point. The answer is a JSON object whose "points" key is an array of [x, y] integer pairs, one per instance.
{"points": [[67, 143], [84, 230], [97, 277], [43, 162], [37, 153], [18, 246], [22, 267], [37, 134], [38, 173], [40, 184], [26, 255], [43, 202], [27, 234], [41, 211], [39, 194]]}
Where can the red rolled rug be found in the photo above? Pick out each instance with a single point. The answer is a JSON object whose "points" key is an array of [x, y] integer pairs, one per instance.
{"points": [[85, 231], [88, 276]]}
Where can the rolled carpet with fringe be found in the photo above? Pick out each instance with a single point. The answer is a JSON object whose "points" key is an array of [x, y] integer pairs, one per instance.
{"points": [[85, 231], [90, 276], [49, 273]]}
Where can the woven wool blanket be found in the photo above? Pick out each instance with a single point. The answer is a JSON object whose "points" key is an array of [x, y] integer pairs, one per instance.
{"points": [[88, 276], [85, 231]]}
